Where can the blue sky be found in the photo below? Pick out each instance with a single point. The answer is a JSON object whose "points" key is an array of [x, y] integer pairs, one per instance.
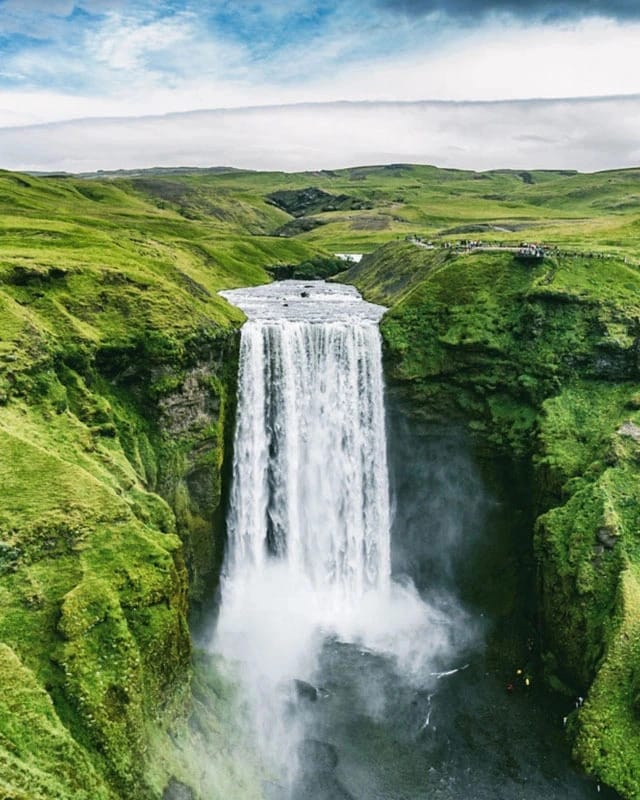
{"points": [[73, 59]]}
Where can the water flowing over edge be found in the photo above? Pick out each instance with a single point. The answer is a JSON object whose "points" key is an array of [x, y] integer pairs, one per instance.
{"points": [[309, 521]]}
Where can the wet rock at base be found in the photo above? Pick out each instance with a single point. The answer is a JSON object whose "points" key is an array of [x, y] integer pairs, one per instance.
{"points": [[306, 691], [319, 761]]}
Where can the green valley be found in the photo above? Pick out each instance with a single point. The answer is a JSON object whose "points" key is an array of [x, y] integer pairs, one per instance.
{"points": [[118, 364]]}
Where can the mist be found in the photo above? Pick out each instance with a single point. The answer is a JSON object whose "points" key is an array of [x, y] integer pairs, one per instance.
{"points": [[400, 693]]}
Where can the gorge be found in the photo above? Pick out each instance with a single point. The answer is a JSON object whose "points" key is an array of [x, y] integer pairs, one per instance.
{"points": [[358, 684]]}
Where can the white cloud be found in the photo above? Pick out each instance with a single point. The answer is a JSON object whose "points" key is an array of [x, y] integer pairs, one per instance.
{"points": [[125, 43], [593, 58], [577, 134]]}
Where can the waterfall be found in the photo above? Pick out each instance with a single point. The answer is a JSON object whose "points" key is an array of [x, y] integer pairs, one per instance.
{"points": [[310, 475], [310, 483], [354, 684], [308, 556]]}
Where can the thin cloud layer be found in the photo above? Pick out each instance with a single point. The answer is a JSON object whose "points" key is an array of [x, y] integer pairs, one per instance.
{"points": [[579, 134], [97, 57]]}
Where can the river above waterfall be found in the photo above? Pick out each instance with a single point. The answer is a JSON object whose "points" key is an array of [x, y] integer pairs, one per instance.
{"points": [[313, 302], [362, 659]]}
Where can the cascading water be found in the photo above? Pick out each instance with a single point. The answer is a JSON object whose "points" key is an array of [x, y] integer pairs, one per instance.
{"points": [[310, 482], [309, 522]]}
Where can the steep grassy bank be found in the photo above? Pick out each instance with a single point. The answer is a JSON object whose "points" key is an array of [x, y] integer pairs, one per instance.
{"points": [[117, 375], [540, 362]]}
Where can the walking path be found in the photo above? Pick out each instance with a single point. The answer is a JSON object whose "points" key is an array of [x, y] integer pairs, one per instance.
{"points": [[525, 249]]}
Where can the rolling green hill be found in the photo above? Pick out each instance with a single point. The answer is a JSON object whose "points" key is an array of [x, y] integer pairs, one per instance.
{"points": [[571, 209]]}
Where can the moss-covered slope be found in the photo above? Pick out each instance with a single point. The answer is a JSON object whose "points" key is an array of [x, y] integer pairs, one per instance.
{"points": [[540, 360], [117, 369]]}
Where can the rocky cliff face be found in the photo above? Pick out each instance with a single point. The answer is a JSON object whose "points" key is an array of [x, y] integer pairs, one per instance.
{"points": [[187, 405], [540, 363]]}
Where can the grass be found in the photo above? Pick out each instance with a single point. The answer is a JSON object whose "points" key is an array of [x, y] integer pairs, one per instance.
{"points": [[609, 741], [109, 305], [573, 210]]}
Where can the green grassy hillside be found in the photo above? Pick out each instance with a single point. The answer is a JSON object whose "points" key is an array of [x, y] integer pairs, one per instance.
{"points": [[117, 393], [117, 363], [369, 206], [539, 360]]}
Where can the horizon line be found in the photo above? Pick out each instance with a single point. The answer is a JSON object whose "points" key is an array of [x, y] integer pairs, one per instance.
{"points": [[185, 169]]}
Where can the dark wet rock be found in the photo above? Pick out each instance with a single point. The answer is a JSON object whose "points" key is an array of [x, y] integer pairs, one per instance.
{"points": [[192, 406], [614, 363], [321, 756], [301, 202], [299, 225], [319, 761], [306, 691], [298, 202], [607, 536]]}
